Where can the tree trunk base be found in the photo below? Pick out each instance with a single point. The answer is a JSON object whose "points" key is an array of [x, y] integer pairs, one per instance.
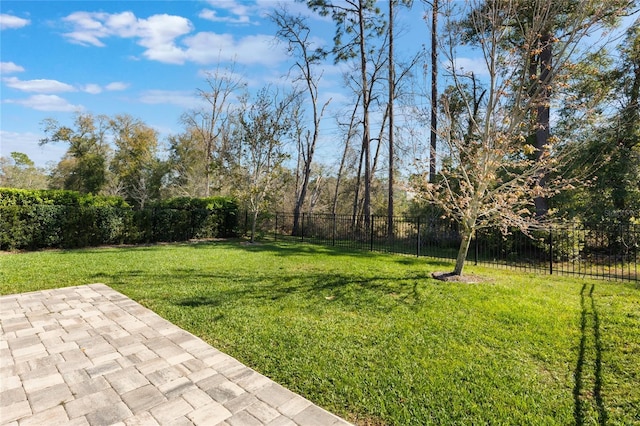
{"points": [[450, 276]]}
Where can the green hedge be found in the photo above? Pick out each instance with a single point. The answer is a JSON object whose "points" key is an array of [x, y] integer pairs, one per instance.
{"points": [[32, 197], [34, 219]]}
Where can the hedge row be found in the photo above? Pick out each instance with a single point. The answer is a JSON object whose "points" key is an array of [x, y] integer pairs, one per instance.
{"points": [[64, 219], [34, 197]]}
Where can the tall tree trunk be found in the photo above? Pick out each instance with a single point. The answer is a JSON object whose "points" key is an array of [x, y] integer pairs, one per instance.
{"points": [[543, 113], [365, 111], [254, 221], [390, 209], [299, 198], [315, 194], [356, 199], [434, 91], [376, 156], [207, 167], [343, 160], [305, 182]]}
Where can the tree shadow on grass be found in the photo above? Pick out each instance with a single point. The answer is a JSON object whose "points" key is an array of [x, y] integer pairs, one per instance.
{"points": [[292, 248], [311, 249], [196, 289], [588, 309]]}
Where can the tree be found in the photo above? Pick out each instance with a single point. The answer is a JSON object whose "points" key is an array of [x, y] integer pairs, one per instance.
{"points": [[434, 92], [135, 164], [494, 174], [209, 123], [186, 165], [625, 180], [350, 133], [549, 18], [261, 135], [295, 32], [361, 21], [368, 159], [392, 94], [609, 83], [19, 171], [84, 166], [626, 195]]}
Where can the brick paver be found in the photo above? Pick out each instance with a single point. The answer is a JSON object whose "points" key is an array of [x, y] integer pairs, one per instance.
{"points": [[89, 355]]}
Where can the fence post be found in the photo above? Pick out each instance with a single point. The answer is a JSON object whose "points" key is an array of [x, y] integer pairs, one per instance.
{"points": [[550, 251], [275, 230], [154, 234], [476, 249], [192, 226], [371, 236], [302, 229], [333, 231], [621, 252], [418, 239]]}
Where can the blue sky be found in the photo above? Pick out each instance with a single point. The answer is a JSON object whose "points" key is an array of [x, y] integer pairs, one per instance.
{"points": [[144, 58], [148, 58]]}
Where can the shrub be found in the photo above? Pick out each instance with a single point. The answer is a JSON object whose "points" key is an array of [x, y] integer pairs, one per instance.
{"points": [[33, 219]]}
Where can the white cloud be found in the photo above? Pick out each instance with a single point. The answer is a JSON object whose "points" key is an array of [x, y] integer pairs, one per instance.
{"points": [[233, 12], [116, 86], [162, 37], [46, 103], [53, 86], [123, 24], [88, 30], [207, 47], [157, 33], [12, 22], [39, 85], [9, 141], [476, 66], [93, 89], [175, 97], [260, 49], [28, 143], [9, 67], [212, 15]]}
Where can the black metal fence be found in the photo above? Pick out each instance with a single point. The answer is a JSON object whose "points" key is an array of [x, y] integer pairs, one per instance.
{"points": [[610, 251]]}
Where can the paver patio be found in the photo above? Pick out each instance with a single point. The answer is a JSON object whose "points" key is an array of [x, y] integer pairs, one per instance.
{"points": [[88, 355]]}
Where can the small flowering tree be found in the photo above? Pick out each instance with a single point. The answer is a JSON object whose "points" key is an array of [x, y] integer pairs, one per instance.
{"points": [[494, 170]]}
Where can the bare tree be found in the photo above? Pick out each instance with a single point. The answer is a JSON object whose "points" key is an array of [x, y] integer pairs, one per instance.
{"points": [[390, 109], [295, 31], [434, 91], [361, 22], [208, 123], [350, 133]]}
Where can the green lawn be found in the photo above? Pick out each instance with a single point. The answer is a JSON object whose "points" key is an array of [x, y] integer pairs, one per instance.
{"points": [[373, 338]]}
